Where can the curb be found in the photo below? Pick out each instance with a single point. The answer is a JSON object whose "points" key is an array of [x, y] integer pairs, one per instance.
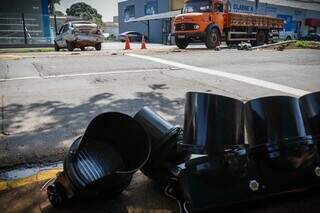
{"points": [[40, 176]]}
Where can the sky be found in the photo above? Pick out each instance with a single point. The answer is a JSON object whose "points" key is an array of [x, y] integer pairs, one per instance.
{"points": [[107, 8]]}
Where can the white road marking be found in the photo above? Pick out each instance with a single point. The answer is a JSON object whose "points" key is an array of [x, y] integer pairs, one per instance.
{"points": [[81, 74], [241, 78], [19, 78]]}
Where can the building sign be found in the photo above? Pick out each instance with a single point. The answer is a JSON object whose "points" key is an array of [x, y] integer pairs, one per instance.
{"points": [[151, 7], [287, 22], [129, 13], [241, 8], [271, 9]]}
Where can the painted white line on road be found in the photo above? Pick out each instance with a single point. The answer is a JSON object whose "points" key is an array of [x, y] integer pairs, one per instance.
{"points": [[19, 78], [241, 78], [82, 74], [103, 73]]}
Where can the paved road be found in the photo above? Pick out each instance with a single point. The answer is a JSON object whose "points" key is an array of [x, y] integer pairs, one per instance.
{"points": [[48, 100]]}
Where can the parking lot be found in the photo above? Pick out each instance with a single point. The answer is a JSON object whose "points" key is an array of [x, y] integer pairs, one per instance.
{"points": [[47, 99]]}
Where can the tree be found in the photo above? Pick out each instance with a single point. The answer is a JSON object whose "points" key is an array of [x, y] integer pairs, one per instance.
{"points": [[59, 13], [51, 4], [85, 12]]}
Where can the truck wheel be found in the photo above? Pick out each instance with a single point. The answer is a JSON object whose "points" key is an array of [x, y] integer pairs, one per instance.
{"points": [[182, 43], [213, 39], [261, 38], [70, 46], [56, 47], [98, 46]]}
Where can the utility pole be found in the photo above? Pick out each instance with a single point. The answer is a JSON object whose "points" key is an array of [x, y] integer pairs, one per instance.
{"points": [[24, 29]]}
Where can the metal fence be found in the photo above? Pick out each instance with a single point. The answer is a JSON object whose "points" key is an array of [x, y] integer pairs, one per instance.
{"points": [[25, 29]]}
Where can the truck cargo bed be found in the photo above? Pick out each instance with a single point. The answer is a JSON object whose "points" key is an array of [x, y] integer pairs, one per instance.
{"points": [[253, 20]]}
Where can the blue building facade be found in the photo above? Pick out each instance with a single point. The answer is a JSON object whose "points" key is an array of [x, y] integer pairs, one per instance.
{"points": [[130, 9], [24, 22], [295, 18]]}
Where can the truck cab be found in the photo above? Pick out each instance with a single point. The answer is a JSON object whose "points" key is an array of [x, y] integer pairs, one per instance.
{"points": [[210, 22], [195, 19]]}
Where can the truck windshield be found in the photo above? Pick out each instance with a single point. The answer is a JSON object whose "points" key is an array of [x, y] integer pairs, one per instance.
{"points": [[197, 6]]}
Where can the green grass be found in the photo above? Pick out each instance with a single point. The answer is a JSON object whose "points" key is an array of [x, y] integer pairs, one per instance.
{"points": [[307, 44], [27, 50]]}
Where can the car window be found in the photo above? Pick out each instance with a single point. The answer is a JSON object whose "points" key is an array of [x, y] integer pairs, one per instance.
{"points": [[61, 29], [218, 8], [65, 29]]}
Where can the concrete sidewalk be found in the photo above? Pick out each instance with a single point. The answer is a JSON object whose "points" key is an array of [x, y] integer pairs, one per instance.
{"points": [[142, 196]]}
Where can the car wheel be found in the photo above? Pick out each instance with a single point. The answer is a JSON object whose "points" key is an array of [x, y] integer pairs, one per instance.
{"points": [[98, 46], [70, 46], [82, 48], [288, 38], [213, 39], [182, 43], [56, 47]]}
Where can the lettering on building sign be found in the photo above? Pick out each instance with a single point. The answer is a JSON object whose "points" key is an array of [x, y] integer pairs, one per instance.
{"points": [[272, 9], [242, 8]]}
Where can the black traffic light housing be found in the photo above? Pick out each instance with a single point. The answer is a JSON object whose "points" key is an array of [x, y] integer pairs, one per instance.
{"points": [[103, 160], [280, 156], [164, 159]]}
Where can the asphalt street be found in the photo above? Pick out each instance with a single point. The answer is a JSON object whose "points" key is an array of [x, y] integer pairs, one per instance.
{"points": [[48, 99]]}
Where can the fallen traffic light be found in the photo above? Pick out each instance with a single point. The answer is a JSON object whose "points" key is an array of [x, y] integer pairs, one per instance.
{"points": [[164, 158], [213, 128], [103, 160], [310, 106], [281, 156]]}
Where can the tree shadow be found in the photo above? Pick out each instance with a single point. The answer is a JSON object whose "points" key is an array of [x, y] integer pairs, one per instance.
{"points": [[48, 140]]}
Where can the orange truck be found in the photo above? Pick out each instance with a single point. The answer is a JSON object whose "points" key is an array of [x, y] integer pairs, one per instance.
{"points": [[210, 22]]}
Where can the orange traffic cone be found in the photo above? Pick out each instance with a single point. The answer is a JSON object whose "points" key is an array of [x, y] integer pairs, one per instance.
{"points": [[127, 45], [143, 43]]}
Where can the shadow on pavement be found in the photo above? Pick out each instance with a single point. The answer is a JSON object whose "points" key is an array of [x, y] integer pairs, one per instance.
{"points": [[48, 140]]}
